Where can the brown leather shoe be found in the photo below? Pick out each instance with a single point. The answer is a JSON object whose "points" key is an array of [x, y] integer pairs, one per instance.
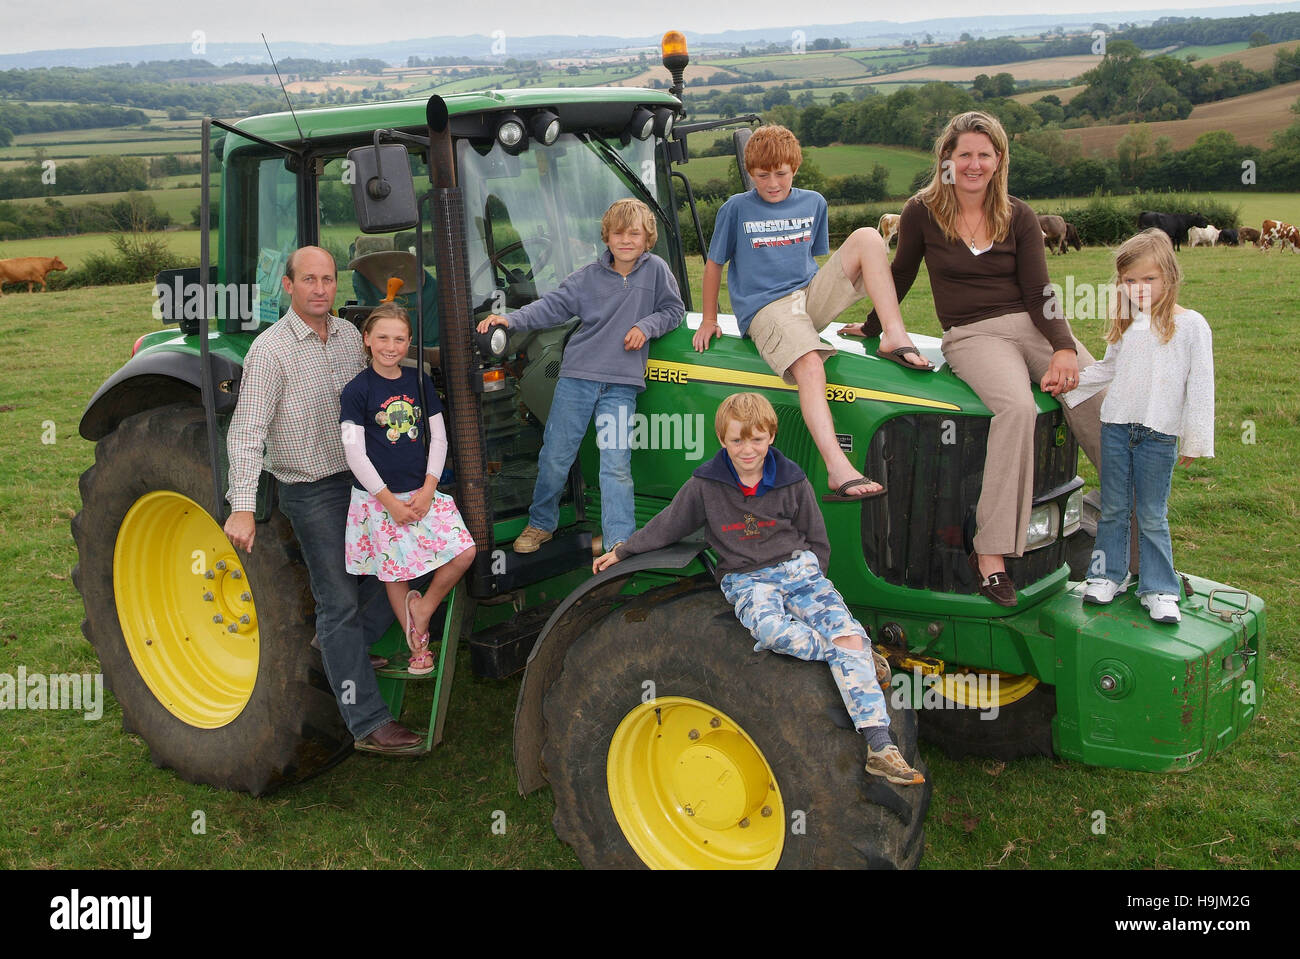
{"points": [[392, 737], [997, 587]]}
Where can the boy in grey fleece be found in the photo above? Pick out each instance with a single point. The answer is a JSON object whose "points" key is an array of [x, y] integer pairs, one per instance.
{"points": [[761, 517], [623, 300]]}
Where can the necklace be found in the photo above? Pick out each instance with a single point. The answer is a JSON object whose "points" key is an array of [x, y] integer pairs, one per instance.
{"points": [[973, 248]]}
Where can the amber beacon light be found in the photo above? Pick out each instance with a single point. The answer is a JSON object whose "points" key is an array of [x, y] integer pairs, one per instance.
{"points": [[675, 59]]}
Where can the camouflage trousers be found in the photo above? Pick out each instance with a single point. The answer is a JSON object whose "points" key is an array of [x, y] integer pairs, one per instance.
{"points": [[792, 608]]}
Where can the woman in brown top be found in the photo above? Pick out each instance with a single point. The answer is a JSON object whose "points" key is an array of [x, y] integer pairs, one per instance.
{"points": [[1003, 326]]}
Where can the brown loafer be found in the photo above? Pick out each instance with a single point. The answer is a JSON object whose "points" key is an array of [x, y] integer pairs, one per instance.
{"points": [[392, 737], [997, 587]]}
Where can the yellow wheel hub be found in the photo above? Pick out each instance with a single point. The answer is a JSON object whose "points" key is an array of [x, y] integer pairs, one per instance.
{"points": [[981, 689], [186, 609], [691, 790]]}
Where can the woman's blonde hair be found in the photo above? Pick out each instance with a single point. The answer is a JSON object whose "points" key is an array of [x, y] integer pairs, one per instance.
{"points": [[384, 311], [1153, 245], [940, 197]]}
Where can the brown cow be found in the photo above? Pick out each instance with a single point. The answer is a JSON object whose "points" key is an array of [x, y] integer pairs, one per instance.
{"points": [[888, 226], [1286, 236], [1248, 234], [1057, 233], [28, 269]]}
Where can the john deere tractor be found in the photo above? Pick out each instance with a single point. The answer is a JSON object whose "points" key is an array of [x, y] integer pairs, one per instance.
{"points": [[665, 739]]}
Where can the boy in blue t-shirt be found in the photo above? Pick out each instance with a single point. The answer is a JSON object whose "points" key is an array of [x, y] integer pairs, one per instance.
{"points": [[782, 301]]}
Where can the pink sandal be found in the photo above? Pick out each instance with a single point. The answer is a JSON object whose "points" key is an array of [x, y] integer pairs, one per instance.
{"points": [[421, 657]]}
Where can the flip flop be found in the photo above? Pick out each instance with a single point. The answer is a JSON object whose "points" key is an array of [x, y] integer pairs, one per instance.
{"points": [[841, 494], [421, 661], [896, 356]]}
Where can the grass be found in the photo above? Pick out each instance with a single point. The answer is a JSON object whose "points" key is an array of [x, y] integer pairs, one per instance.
{"points": [[82, 794], [1210, 50], [1254, 207], [65, 149], [840, 160], [178, 201], [74, 249]]}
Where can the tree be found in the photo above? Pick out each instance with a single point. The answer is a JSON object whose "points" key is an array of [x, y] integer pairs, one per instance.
{"points": [[1259, 38]]}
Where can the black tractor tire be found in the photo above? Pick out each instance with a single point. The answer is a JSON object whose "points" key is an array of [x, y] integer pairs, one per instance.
{"points": [[1021, 729], [290, 728], [691, 645]]}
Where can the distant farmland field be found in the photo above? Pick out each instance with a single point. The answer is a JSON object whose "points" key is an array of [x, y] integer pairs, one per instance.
{"points": [[1252, 119], [842, 160]]}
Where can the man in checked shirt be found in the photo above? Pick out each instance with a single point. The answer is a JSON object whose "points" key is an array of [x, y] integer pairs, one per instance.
{"points": [[289, 406]]}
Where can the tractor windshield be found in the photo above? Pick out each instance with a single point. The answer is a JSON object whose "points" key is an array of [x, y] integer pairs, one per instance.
{"points": [[534, 218]]}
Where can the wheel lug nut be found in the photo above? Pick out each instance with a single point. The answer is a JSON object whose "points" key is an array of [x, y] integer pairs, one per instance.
{"points": [[693, 734], [207, 597], [246, 596], [217, 618], [232, 628], [766, 811], [208, 574], [744, 823], [221, 564], [715, 722], [244, 619], [236, 574]]}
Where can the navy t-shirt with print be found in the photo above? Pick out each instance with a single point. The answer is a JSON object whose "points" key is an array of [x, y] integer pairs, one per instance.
{"points": [[389, 412], [769, 246]]}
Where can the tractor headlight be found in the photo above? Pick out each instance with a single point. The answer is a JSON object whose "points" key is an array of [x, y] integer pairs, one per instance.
{"points": [[545, 127], [1042, 526], [510, 133], [1073, 513], [492, 344]]}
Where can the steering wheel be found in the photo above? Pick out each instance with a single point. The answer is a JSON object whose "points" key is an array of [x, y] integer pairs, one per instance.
{"points": [[529, 273]]}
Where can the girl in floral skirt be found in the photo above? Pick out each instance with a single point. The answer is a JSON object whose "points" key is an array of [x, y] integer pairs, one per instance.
{"points": [[399, 526]]}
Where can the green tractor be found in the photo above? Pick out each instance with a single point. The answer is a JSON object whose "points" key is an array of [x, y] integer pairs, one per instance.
{"points": [[666, 741]]}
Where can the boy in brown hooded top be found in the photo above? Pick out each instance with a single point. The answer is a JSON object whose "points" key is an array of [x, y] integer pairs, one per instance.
{"points": [[761, 517]]}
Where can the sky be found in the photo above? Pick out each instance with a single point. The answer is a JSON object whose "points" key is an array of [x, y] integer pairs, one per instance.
{"points": [[94, 23]]}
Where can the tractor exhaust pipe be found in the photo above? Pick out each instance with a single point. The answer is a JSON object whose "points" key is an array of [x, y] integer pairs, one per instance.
{"points": [[459, 360]]}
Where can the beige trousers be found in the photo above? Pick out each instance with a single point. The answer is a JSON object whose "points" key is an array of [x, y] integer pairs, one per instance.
{"points": [[999, 358]]}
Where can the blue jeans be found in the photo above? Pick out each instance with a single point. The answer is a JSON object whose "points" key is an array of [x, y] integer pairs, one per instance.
{"points": [[791, 608], [1136, 463], [351, 611], [575, 403]]}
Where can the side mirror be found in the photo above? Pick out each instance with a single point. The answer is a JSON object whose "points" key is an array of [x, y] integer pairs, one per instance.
{"points": [[739, 139], [383, 192]]}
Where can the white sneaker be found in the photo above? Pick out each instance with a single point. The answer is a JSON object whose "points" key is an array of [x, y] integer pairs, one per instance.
{"points": [[1099, 590], [1163, 607]]}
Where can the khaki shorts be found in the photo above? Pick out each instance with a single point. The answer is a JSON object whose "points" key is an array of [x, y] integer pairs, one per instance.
{"points": [[788, 328]]}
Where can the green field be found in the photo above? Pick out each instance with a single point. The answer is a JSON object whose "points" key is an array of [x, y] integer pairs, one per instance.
{"points": [[1254, 207], [1211, 50], [840, 160], [178, 201], [65, 150], [73, 250], [83, 794]]}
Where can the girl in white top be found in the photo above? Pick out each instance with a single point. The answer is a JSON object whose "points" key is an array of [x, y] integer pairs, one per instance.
{"points": [[1160, 367]]}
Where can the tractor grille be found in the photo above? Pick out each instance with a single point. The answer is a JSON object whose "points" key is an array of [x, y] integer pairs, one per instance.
{"points": [[933, 464]]}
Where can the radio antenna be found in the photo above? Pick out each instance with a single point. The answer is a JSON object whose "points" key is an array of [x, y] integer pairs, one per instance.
{"points": [[301, 136]]}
